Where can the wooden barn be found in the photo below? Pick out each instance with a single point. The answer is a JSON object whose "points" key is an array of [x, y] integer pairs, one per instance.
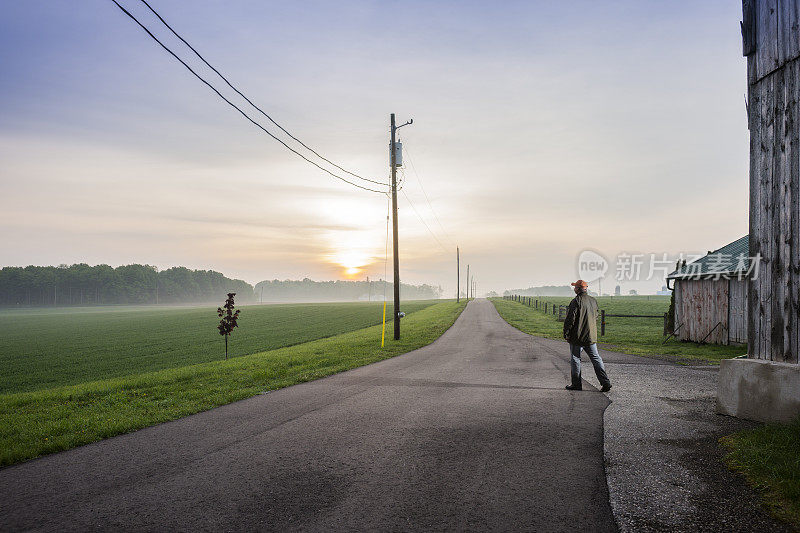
{"points": [[711, 296], [771, 37], [766, 385]]}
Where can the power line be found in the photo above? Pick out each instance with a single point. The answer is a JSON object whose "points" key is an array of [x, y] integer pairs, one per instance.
{"points": [[386, 257], [237, 108], [425, 223], [413, 168], [251, 102]]}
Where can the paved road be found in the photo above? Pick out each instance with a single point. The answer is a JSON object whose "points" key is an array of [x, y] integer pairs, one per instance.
{"points": [[474, 431]]}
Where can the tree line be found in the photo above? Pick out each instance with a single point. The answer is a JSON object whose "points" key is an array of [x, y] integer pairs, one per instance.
{"points": [[307, 290], [81, 284], [546, 290]]}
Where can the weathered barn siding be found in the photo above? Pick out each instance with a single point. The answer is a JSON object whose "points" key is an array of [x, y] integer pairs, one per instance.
{"points": [[680, 316], [771, 42], [700, 307], [737, 311]]}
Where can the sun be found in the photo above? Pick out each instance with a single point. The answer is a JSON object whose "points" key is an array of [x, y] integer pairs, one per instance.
{"points": [[352, 271], [352, 262]]}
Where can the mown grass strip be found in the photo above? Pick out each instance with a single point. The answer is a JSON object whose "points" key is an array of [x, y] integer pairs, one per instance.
{"points": [[46, 421], [637, 336], [768, 458]]}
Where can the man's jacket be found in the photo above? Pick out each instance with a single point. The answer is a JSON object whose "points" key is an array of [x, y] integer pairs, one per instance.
{"points": [[580, 326]]}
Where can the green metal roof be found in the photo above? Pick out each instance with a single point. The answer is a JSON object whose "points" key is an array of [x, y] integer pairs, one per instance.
{"points": [[731, 259]]}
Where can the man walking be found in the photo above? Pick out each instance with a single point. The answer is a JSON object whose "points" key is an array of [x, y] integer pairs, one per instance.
{"points": [[580, 330]]}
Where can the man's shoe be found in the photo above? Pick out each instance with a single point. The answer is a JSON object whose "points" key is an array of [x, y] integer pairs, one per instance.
{"points": [[574, 387], [606, 388]]}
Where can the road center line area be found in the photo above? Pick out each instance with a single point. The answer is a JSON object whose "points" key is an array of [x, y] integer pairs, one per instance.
{"points": [[474, 431]]}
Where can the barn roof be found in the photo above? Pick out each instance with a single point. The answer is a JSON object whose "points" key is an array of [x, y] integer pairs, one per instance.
{"points": [[731, 259]]}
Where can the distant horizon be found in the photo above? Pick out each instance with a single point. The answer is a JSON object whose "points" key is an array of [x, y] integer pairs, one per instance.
{"points": [[444, 296]]}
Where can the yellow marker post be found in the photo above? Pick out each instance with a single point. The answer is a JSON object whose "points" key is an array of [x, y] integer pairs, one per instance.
{"points": [[383, 333]]}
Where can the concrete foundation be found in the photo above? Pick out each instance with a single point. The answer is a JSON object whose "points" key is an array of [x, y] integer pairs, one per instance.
{"points": [[759, 390]]}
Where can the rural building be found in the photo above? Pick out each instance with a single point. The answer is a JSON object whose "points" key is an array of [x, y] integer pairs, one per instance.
{"points": [[766, 385], [711, 296]]}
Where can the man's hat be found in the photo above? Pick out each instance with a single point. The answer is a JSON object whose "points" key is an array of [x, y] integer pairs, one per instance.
{"points": [[580, 283]]}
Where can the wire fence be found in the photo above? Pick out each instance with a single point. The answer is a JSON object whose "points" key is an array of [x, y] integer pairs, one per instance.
{"points": [[560, 311]]}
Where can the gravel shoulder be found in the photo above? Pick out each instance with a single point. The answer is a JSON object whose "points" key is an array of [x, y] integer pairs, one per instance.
{"points": [[664, 465]]}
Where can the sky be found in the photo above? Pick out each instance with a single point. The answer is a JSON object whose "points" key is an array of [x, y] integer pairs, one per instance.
{"points": [[541, 129]]}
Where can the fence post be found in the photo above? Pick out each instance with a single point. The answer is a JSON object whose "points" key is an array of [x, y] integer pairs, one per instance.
{"points": [[554, 308], [602, 322]]}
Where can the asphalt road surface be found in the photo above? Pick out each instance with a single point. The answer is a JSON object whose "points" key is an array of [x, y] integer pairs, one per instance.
{"points": [[473, 432]]}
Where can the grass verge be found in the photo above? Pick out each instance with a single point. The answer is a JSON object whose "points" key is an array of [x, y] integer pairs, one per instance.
{"points": [[626, 335], [50, 420], [45, 348], [768, 458]]}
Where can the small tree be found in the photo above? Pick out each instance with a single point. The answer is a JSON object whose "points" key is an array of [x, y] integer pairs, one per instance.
{"points": [[228, 319]]}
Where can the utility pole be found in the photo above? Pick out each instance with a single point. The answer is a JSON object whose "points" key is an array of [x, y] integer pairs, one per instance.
{"points": [[458, 275], [466, 285], [393, 161]]}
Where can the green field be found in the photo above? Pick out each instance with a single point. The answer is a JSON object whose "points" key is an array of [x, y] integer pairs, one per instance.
{"points": [[44, 348], [47, 420], [639, 336]]}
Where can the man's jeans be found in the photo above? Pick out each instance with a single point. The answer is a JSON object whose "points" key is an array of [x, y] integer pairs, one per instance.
{"points": [[594, 357]]}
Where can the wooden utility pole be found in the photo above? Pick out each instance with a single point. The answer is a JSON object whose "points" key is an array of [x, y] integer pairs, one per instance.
{"points": [[393, 161], [393, 156], [466, 285], [458, 275]]}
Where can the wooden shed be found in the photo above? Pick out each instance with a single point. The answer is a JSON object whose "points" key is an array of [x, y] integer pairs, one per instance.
{"points": [[711, 296]]}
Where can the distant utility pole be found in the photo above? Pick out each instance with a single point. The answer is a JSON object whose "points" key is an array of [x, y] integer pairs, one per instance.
{"points": [[466, 285], [393, 160], [458, 275]]}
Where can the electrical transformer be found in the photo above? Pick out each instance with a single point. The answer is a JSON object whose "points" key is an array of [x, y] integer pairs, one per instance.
{"points": [[398, 154]]}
